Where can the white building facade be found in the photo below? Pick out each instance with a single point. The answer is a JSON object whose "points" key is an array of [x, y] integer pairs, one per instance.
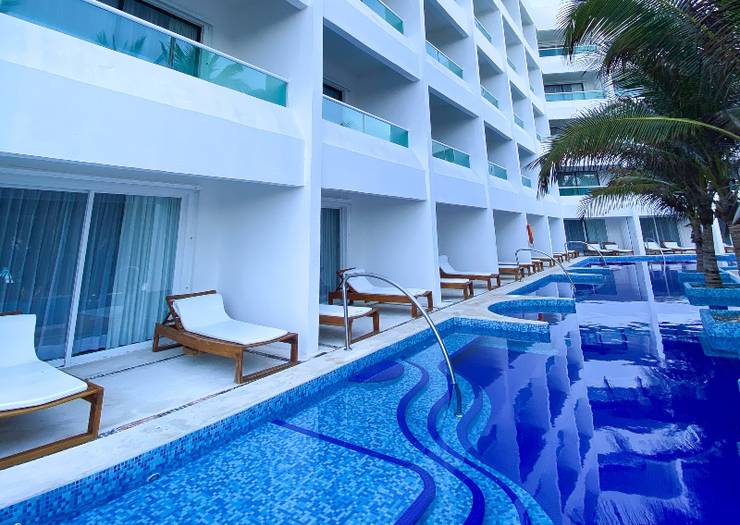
{"points": [[573, 86], [255, 147]]}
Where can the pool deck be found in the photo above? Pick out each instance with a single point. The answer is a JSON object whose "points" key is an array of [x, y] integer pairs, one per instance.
{"points": [[152, 399]]}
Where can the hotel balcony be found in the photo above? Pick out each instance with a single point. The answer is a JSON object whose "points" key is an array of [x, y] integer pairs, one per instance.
{"points": [[387, 35], [503, 166], [148, 87], [450, 61], [368, 108], [553, 58], [568, 94], [456, 166]]}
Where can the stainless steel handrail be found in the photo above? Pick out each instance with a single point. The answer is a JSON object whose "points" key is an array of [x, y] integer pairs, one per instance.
{"points": [[588, 247], [553, 259], [660, 250], [349, 274]]}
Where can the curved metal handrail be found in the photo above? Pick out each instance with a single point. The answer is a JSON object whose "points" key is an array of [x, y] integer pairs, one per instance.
{"points": [[553, 259], [348, 274], [586, 244], [662, 253]]}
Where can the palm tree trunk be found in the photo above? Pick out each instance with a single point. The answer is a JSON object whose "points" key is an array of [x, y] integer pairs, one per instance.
{"points": [[712, 278], [735, 236], [698, 242]]}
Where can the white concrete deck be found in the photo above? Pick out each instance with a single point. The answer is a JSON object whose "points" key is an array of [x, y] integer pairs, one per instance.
{"points": [[151, 399]]}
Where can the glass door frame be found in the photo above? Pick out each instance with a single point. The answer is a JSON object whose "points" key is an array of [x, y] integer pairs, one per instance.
{"points": [[344, 208], [92, 185]]}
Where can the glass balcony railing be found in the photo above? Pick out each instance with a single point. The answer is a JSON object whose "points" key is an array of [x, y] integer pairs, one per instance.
{"points": [[386, 13], [488, 96], [450, 154], [443, 59], [497, 171], [526, 181], [118, 31], [540, 137], [349, 117], [483, 30], [518, 120], [511, 64], [576, 191], [560, 51], [575, 95]]}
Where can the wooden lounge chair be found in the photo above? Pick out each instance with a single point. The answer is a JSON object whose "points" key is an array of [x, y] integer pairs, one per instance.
{"points": [[538, 265], [593, 248], [614, 248], [361, 289], [543, 260], [333, 314], [30, 385], [729, 248], [652, 248], [466, 285], [561, 256], [517, 270], [446, 270], [199, 322], [676, 248]]}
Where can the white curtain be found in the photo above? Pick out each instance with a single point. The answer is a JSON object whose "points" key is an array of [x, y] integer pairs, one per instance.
{"points": [[144, 268]]}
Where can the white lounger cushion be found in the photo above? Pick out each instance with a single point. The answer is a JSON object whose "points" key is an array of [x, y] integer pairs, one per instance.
{"points": [[34, 384], [446, 267], [335, 310], [363, 285], [454, 281], [205, 315], [26, 380]]}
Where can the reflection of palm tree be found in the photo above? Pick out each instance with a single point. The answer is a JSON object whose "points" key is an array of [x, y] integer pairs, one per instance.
{"points": [[130, 48], [204, 64]]}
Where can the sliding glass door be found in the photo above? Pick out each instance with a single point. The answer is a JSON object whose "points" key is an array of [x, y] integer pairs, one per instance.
{"points": [[40, 234], [129, 265], [97, 266], [331, 251]]}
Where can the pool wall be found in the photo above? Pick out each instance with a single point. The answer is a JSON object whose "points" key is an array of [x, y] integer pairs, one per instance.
{"points": [[96, 489]]}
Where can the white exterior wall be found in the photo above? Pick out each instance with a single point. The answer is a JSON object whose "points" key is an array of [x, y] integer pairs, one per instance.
{"points": [[258, 172]]}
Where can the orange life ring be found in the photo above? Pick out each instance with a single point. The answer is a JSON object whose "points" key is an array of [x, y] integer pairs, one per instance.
{"points": [[530, 234]]}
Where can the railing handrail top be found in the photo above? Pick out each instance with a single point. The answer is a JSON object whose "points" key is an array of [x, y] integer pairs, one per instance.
{"points": [[484, 88], [363, 112], [451, 147], [200, 45], [577, 91], [388, 8], [560, 46], [491, 163], [444, 54]]}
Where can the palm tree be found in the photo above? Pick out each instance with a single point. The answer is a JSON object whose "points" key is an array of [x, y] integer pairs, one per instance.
{"points": [[683, 58], [676, 56], [664, 196]]}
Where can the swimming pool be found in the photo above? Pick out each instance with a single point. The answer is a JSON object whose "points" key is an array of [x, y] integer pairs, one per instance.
{"points": [[620, 419]]}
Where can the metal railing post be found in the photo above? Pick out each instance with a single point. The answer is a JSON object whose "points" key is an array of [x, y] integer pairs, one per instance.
{"points": [[347, 275]]}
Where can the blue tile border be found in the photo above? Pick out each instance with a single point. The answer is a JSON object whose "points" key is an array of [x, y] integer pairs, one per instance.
{"points": [[76, 497], [700, 295]]}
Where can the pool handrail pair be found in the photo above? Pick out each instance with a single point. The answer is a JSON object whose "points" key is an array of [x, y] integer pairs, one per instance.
{"points": [[348, 274], [549, 256]]}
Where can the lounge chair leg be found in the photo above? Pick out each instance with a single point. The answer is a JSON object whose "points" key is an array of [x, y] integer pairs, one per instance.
{"points": [[498, 281], [239, 368], [96, 410], [155, 341], [414, 311], [430, 302], [294, 349], [376, 322]]}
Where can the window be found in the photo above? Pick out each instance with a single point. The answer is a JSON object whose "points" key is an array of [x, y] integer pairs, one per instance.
{"points": [[158, 17], [333, 92], [659, 229], [564, 88], [119, 262]]}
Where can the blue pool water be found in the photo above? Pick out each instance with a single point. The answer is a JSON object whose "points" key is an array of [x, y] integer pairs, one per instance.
{"points": [[622, 418]]}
